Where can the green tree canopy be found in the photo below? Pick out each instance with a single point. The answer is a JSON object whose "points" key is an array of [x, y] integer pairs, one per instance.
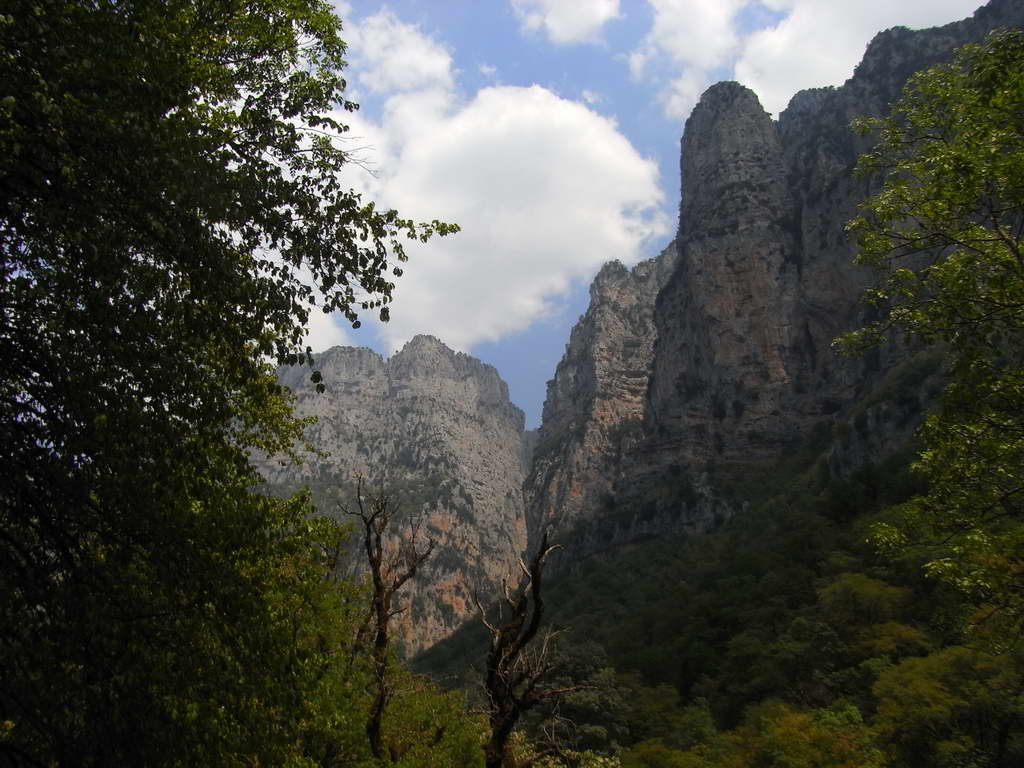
{"points": [[945, 230], [171, 210]]}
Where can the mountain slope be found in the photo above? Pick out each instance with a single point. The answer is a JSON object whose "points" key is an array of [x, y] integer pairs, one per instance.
{"points": [[742, 373], [435, 429]]}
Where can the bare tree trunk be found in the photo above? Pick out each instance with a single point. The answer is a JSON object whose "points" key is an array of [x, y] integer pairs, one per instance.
{"points": [[513, 672], [388, 573]]}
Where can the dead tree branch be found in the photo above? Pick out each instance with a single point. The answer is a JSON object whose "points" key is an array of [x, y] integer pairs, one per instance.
{"points": [[390, 568], [514, 674]]}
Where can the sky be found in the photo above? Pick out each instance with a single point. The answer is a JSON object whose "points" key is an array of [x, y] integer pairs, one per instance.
{"points": [[549, 131]]}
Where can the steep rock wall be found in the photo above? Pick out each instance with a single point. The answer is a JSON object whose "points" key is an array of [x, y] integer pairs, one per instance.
{"points": [[731, 337], [741, 368], [595, 403], [436, 429]]}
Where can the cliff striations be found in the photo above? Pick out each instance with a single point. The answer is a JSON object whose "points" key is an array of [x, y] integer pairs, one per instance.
{"points": [[737, 341], [688, 383], [435, 429], [595, 403]]}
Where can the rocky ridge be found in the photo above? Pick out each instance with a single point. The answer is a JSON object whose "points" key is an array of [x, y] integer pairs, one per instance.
{"points": [[687, 376], [594, 409], [436, 430], [742, 372]]}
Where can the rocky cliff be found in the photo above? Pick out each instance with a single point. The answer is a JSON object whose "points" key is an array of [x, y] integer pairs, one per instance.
{"points": [[690, 379], [737, 342], [435, 429], [595, 404]]}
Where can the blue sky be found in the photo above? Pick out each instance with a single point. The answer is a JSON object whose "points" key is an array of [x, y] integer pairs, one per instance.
{"points": [[549, 131]]}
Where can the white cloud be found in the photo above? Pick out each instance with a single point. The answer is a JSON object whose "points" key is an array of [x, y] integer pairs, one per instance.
{"points": [[696, 37], [325, 332], [681, 95], [695, 33], [819, 43], [816, 43], [591, 97], [566, 21], [393, 56], [488, 70], [545, 190]]}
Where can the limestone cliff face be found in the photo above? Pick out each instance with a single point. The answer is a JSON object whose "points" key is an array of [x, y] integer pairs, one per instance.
{"points": [[595, 403], [687, 376], [741, 366], [733, 346], [435, 428]]}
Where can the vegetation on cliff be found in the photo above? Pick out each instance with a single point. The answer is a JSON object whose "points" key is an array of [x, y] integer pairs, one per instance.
{"points": [[946, 233], [871, 618]]}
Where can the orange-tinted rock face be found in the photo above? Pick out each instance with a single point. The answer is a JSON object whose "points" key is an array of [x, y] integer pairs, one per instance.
{"points": [[436, 429], [595, 403]]}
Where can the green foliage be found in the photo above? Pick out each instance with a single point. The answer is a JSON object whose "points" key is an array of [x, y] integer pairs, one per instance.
{"points": [[593, 713], [905, 379], [761, 643], [774, 734], [677, 639], [425, 727], [655, 754], [868, 669], [944, 231], [954, 707], [170, 212]]}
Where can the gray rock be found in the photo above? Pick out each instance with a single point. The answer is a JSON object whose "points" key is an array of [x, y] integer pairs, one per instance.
{"points": [[741, 371], [686, 376], [435, 428], [595, 403]]}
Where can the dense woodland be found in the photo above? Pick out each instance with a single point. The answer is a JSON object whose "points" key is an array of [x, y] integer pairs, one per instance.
{"points": [[170, 213]]}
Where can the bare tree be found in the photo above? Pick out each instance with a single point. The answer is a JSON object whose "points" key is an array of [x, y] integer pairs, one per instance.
{"points": [[515, 671], [390, 568]]}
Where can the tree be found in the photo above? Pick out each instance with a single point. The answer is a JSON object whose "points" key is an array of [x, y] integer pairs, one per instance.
{"points": [[169, 173], [513, 672], [391, 566], [945, 231], [956, 706]]}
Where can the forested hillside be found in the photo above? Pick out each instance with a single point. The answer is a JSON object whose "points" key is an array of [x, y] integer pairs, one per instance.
{"points": [[863, 615], [783, 638]]}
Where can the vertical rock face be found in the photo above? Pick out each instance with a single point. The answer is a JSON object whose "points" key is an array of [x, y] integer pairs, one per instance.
{"points": [[741, 365], [436, 429], [685, 374], [595, 403], [732, 344]]}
